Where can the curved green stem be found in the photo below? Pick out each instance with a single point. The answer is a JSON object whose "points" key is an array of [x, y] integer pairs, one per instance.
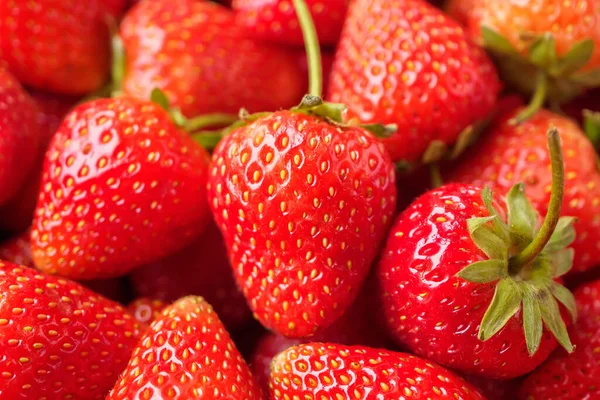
{"points": [[537, 101], [313, 52], [538, 243], [208, 120], [208, 139]]}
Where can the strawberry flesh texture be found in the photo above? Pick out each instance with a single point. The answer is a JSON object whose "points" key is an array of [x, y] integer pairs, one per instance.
{"points": [[329, 371], [276, 21], [111, 161], [202, 268], [303, 206], [196, 54], [405, 62], [574, 376], [186, 352], [61, 46], [509, 155], [59, 339], [432, 311]]}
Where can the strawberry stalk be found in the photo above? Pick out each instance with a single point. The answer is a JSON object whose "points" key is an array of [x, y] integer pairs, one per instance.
{"points": [[313, 51], [536, 102]]}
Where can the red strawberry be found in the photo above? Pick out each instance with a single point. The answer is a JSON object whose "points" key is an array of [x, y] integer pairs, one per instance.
{"points": [[186, 353], [466, 289], [405, 62], [328, 371], [58, 339], [203, 61], [17, 250], [17, 213], [61, 46], [202, 268], [19, 133], [518, 154], [303, 205], [494, 389], [111, 165], [146, 310], [575, 376], [276, 20]]}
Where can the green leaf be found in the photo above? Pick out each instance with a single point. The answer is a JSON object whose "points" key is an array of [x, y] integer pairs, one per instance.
{"points": [[579, 55], [485, 271], [522, 217], [563, 236], [532, 322], [562, 262], [486, 239], [565, 297], [159, 97], [543, 51], [496, 42], [499, 225], [589, 78], [591, 125], [553, 320], [505, 304], [435, 152]]}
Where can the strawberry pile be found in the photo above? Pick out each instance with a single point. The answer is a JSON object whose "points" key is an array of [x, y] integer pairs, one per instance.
{"points": [[299, 200]]}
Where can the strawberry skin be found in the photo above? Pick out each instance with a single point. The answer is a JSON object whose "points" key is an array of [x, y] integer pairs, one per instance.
{"points": [[202, 268], [328, 371], [146, 310], [17, 250], [431, 310], [276, 20], [60, 46], [19, 134], [302, 205], [518, 154], [575, 376], [203, 61], [111, 162], [405, 62], [58, 339], [186, 354]]}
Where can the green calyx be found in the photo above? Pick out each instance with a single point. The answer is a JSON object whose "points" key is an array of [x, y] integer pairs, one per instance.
{"points": [[541, 71], [524, 260], [591, 127]]}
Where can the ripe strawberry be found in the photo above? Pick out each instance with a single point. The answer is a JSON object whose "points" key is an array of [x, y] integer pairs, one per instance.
{"points": [[303, 205], [203, 61], [574, 376], [17, 250], [542, 46], [451, 250], [186, 353], [146, 310], [60, 46], [58, 339], [111, 164], [276, 20], [202, 268], [405, 62], [515, 154], [328, 371], [19, 134], [494, 389]]}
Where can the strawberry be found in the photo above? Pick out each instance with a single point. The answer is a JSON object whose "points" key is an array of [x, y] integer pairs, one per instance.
{"points": [[17, 250], [202, 268], [494, 389], [60, 46], [111, 162], [19, 134], [574, 376], [405, 62], [16, 214], [203, 61], [517, 153], [146, 310], [544, 47], [276, 20], [328, 371], [58, 339], [494, 285], [186, 353]]}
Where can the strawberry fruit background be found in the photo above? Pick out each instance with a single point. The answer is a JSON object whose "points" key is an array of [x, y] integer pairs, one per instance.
{"points": [[299, 199]]}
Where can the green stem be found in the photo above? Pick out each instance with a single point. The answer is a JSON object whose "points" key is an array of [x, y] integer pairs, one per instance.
{"points": [[538, 243], [537, 101], [210, 120], [313, 51], [435, 175], [118, 64], [208, 139]]}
